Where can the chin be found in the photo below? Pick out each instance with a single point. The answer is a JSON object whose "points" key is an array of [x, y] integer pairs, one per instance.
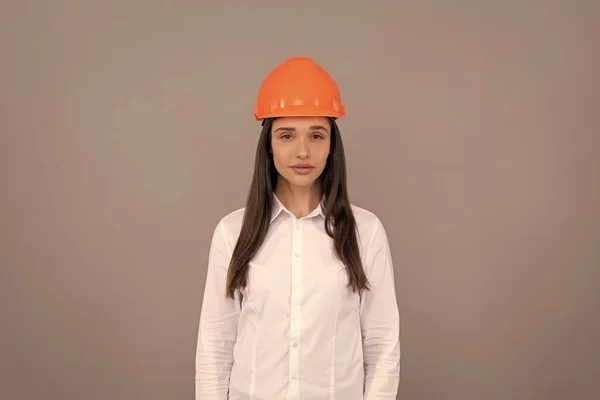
{"points": [[301, 181]]}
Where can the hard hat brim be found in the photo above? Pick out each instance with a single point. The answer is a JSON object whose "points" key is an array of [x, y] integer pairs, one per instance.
{"points": [[302, 111]]}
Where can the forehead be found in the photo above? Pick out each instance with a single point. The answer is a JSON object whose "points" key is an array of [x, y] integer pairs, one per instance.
{"points": [[300, 123]]}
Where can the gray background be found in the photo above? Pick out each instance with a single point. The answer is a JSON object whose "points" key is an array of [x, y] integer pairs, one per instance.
{"points": [[126, 133]]}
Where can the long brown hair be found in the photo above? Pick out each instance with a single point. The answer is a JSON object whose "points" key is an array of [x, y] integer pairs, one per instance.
{"points": [[339, 219]]}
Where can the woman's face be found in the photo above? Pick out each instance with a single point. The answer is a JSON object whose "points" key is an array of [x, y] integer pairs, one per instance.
{"points": [[300, 147]]}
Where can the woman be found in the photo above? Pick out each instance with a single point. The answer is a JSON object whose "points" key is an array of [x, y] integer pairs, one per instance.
{"points": [[299, 300]]}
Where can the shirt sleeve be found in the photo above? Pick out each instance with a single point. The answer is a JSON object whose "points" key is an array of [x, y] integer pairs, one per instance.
{"points": [[218, 325], [380, 321]]}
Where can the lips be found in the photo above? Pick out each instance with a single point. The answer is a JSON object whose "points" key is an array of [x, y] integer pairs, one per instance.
{"points": [[302, 169]]}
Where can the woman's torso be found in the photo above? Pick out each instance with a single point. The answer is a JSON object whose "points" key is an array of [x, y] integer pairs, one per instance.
{"points": [[299, 333]]}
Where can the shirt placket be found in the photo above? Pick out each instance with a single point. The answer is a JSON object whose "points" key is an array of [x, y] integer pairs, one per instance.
{"points": [[295, 310]]}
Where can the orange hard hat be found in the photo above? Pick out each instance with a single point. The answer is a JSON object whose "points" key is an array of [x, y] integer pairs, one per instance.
{"points": [[299, 88]]}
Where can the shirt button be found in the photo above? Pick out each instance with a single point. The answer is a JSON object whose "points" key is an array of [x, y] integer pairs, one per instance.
{"points": [[295, 344], [297, 225], [297, 255], [295, 376]]}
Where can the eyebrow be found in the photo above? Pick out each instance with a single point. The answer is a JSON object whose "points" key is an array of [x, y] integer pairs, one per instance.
{"points": [[312, 128]]}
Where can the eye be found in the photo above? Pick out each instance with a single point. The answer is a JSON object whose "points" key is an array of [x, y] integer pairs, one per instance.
{"points": [[286, 136], [318, 136]]}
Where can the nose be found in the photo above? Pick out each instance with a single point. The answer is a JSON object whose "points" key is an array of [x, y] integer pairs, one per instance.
{"points": [[303, 152]]}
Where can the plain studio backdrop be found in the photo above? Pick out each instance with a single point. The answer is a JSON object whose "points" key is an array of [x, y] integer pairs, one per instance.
{"points": [[126, 133]]}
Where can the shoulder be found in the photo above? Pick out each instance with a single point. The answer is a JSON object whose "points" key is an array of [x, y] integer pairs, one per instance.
{"points": [[372, 238], [366, 220], [369, 225], [229, 226], [233, 220]]}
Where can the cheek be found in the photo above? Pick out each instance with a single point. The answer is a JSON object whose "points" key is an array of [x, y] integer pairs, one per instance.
{"points": [[321, 157], [280, 162]]}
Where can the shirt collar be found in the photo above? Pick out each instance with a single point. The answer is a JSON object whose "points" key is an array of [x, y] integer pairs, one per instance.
{"points": [[278, 207]]}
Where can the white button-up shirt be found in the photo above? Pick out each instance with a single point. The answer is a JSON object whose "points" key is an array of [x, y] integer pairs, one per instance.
{"points": [[297, 331]]}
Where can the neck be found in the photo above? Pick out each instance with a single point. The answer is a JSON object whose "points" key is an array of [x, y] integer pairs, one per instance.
{"points": [[300, 201]]}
